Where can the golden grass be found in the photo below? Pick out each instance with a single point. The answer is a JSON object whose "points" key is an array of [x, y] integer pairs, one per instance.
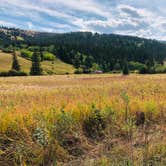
{"points": [[57, 66], [73, 90], [29, 102]]}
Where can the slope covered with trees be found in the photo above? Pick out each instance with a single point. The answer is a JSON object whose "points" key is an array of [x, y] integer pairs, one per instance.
{"points": [[87, 50]]}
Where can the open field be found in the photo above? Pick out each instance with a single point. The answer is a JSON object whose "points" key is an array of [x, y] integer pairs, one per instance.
{"points": [[83, 120], [57, 66]]}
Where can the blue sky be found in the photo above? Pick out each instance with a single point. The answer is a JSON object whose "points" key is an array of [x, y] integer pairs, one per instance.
{"points": [[143, 18]]}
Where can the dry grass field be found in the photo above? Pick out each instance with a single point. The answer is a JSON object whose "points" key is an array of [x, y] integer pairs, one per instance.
{"points": [[83, 120]]}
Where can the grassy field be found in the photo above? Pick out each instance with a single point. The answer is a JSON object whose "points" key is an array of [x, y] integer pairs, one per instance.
{"points": [[57, 66], [83, 120]]}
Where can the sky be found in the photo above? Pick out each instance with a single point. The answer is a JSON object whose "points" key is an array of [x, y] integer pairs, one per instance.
{"points": [[143, 18]]}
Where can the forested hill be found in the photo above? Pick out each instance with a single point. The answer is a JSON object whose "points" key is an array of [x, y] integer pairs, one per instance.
{"points": [[83, 49]]}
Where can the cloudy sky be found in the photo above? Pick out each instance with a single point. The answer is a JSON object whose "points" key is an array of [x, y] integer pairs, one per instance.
{"points": [[144, 18]]}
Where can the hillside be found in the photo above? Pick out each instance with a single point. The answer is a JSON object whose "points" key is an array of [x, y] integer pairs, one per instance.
{"points": [[85, 49], [56, 66]]}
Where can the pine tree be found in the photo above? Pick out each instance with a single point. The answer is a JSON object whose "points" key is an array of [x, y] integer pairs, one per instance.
{"points": [[42, 56], [15, 63], [36, 66], [125, 68]]}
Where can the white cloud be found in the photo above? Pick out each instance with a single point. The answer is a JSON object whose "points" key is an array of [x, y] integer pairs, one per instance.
{"points": [[30, 25], [8, 24], [81, 5], [125, 17]]}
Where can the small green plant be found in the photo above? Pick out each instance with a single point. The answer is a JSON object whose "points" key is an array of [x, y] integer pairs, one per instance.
{"points": [[94, 125], [126, 100], [41, 136], [64, 126]]}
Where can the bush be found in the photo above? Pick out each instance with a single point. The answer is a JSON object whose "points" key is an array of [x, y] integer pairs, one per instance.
{"points": [[78, 71], [13, 73], [136, 66], [160, 68], [117, 66], [146, 70], [41, 136], [66, 134], [143, 70], [26, 54], [115, 71], [48, 56], [94, 125], [7, 50], [34, 48], [64, 125], [86, 71], [157, 68]]}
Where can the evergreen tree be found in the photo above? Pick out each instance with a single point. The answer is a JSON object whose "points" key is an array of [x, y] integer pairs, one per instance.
{"points": [[36, 66], [15, 63], [125, 68], [42, 56]]}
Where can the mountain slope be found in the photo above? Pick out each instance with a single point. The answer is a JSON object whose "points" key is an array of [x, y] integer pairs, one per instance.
{"points": [[83, 49], [50, 67]]}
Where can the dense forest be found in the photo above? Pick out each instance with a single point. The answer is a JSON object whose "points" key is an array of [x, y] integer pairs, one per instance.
{"points": [[86, 50]]}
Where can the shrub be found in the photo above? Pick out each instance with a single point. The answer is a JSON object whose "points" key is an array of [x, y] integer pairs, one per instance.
{"points": [[153, 70], [64, 125], [94, 125], [117, 66], [86, 71], [146, 70], [41, 136], [66, 134], [48, 56], [26, 54], [160, 68], [136, 66], [143, 70], [115, 71], [78, 71], [7, 50], [34, 48]]}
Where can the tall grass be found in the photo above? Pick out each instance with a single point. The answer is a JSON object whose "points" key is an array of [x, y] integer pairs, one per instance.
{"points": [[86, 119]]}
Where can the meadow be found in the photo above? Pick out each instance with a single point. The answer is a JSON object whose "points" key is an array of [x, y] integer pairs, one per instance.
{"points": [[83, 120]]}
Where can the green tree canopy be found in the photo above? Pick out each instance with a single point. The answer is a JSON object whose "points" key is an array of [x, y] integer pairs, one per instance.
{"points": [[36, 66], [125, 68], [15, 63]]}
